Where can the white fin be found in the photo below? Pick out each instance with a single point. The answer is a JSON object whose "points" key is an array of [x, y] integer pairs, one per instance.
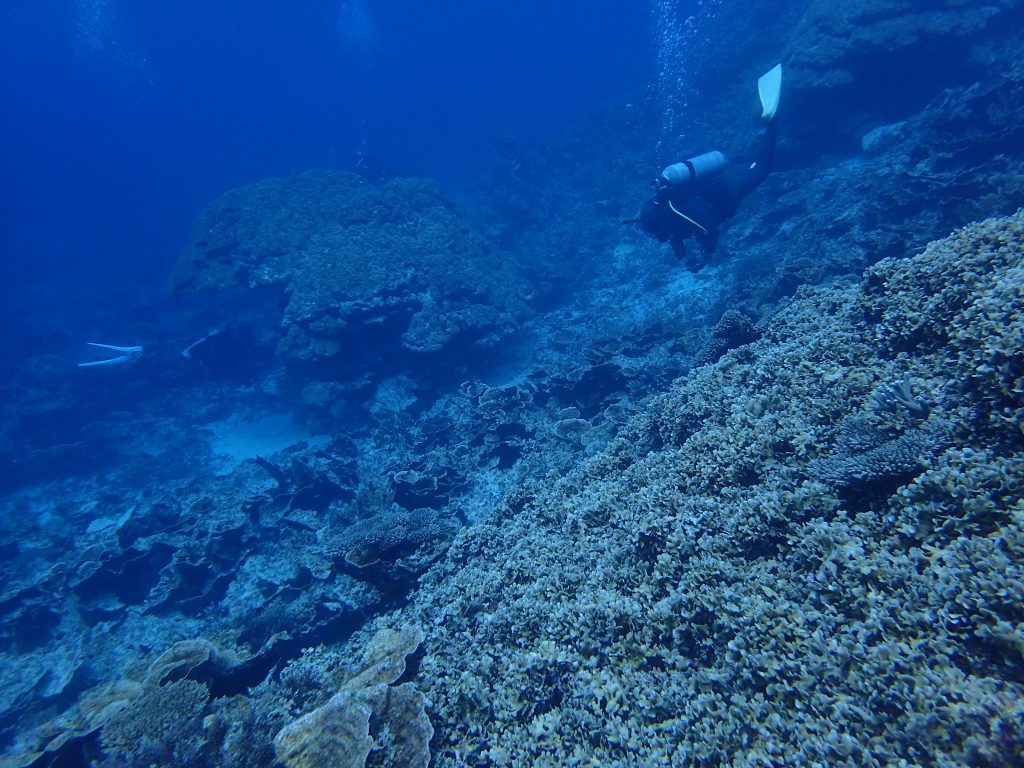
{"points": [[769, 86]]}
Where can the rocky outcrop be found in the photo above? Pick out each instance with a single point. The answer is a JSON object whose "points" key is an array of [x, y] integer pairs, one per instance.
{"points": [[882, 60]]}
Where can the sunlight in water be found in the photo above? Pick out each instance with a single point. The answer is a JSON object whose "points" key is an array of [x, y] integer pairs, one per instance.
{"points": [[95, 29], [356, 27], [100, 39]]}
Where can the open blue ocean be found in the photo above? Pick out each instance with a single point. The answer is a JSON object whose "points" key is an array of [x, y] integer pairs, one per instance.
{"points": [[472, 385]]}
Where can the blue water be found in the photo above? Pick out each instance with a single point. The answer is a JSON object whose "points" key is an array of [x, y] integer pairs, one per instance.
{"points": [[123, 120]]}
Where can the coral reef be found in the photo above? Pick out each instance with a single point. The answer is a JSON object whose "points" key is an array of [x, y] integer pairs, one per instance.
{"points": [[631, 538], [833, 43], [224, 578], [837, 501], [950, 163], [887, 56], [966, 309]]}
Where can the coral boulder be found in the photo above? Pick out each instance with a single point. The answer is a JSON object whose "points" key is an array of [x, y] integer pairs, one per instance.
{"points": [[364, 270]]}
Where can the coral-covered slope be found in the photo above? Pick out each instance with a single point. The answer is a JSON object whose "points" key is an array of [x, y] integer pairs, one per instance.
{"points": [[704, 593]]}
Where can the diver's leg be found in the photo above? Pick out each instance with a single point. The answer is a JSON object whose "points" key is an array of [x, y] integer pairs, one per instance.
{"points": [[743, 182]]}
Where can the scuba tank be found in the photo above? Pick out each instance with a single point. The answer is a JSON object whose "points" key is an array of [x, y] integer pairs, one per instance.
{"points": [[698, 168]]}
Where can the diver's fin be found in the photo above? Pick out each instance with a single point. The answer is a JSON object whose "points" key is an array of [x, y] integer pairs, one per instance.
{"points": [[769, 85], [128, 355]]}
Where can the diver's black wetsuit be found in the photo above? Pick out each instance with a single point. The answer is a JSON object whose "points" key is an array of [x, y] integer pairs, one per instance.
{"points": [[675, 214]]}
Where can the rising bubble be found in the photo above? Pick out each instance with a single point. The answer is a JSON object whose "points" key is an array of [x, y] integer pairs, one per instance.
{"points": [[678, 30]]}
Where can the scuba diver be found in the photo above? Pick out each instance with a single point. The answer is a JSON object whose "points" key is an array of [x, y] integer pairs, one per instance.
{"points": [[692, 198]]}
